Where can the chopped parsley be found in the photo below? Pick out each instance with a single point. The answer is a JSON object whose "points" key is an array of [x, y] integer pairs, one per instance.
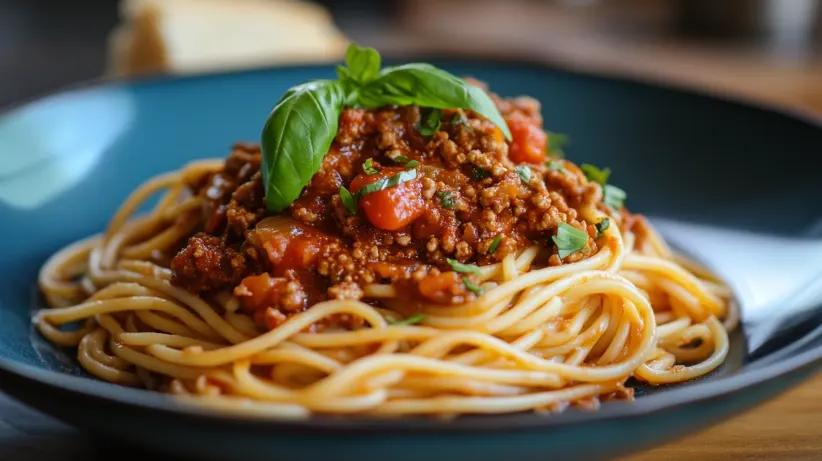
{"points": [[555, 166], [431, 124], [472, 287], [400, 159], [348, 201], [413, 320], [494, 244], [368, 167], [412, 164], [613, 196], [595, 174], [556, 143], [524, 173], [463, 268], [478, 174], [569, 240], [446, 200], [603, 226]]}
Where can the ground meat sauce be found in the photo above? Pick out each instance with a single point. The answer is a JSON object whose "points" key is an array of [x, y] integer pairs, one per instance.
{"points": [[466, 193]]}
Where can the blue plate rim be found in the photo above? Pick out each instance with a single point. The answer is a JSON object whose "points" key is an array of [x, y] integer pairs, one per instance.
{"points": [[675, 398]]}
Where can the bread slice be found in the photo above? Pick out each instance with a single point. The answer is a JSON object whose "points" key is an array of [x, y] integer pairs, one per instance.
{"points": [[189, 36]]}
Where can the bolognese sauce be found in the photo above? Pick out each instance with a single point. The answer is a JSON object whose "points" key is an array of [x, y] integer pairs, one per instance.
{"points": [[459, 193]]}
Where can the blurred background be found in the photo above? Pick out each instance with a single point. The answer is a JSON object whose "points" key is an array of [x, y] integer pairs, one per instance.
{"points": [[769, 49]]}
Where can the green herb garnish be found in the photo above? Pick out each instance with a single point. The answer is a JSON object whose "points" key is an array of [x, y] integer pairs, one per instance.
{"points": [[569, 239], [556, 143], [613, 196], [595, 174], [463, 268], [446, 200], [478, 174], [368, 167], [524, 173], [430, 124], [302, 125], [412, 164], [555, 166], [348, 201], [494, 244], [472, 287], [602, 226], [413, 320], [401, 159], [386, 183]]}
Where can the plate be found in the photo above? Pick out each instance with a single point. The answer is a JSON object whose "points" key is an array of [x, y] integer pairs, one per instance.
{"points": [[68, 160]]}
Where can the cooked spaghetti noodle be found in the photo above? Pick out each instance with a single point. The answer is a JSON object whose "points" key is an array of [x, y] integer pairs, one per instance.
{"points": [[534, 334]]}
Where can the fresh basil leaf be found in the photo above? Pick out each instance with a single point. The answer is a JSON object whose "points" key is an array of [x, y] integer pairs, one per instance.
{"points": [[602, 226], [412, 164], [613, 196], [348, 201], [424, 85], [413, 320], [478, 174], [368, 167], [595, 174], [431, 124], [494, 244], [400, 159], [446, 200], [363, 63], [463, 268], [555, 166], [569, 239], [472, 287], [556, 143], [386, 183], [524, 173], [296, 137]]}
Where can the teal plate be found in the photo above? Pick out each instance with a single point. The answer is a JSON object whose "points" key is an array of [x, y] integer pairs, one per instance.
{"points": [[68, 160]]}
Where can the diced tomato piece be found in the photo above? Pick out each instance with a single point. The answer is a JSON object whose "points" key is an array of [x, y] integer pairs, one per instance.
{"points": [[441, 288], [392, 208], [528, 140], [254, 291]]}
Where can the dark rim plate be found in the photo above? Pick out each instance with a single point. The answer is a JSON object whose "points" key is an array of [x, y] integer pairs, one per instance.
{"points": [[771, 367]]}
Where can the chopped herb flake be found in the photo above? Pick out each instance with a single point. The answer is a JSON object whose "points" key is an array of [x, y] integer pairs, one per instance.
{"points": [[368, 167], [387, 183], [603, 226], [446, 200], [463, 268], [401, 159], [595, 174], [348, 201], [413, 320], [555, 166], [494, 244], [412, 164], [472, 287], [569, 240], [431, 124], [613, 196], [524, 173], [479, 174]]}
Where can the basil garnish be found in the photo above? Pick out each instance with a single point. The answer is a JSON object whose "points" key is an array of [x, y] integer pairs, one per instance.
{"points": [[463, 268], [524, 173], [300, 128], [569, 239], [613, 196], [413, 320], [602, 226], [431, 124], [494, 244], [368, 167], [348, 201], [446, 200], [472, 287]]}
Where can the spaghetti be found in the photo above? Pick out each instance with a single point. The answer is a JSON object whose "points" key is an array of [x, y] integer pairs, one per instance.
{"points": [[529, 333]]}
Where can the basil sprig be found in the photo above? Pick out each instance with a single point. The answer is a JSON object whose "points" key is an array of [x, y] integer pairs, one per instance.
{"points": [[569, 240], [303, 124]]}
